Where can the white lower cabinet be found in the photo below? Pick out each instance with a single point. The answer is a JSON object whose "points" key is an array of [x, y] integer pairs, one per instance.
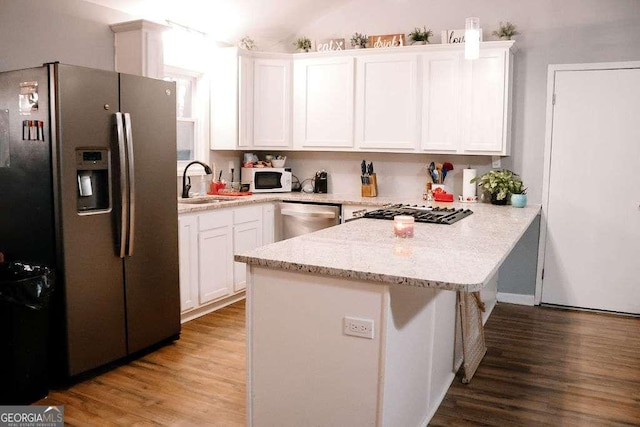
{"points": [[215, 255], [209, 277], [247, 235], [188, 259]]}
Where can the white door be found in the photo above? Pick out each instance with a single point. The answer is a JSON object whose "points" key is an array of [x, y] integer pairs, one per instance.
{"points": [[271, 103], [247, 235], [387, 113], [215, 255], [323, 102], [441, 118], [593, 213], [188, 256], [485, 98]]}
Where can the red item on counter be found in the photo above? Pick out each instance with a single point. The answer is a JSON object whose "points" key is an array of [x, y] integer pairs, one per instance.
{"points": [[439, 195]]}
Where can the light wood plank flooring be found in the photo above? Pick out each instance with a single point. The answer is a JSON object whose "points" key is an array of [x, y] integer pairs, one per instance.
{"points": [[543, 367]]}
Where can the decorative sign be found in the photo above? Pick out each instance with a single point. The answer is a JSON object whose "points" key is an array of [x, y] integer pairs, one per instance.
{"points": [[329, 45], [455, 36], [387, 40]]}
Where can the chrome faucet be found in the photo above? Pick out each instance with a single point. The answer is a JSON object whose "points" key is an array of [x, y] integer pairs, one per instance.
{"points": [[186, 185]]}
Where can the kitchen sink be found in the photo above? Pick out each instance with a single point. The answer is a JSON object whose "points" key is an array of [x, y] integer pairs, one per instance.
{"points": [[201, 200]]}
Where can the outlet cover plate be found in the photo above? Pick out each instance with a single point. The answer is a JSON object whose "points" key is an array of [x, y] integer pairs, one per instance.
{"points": [[358, 327]]}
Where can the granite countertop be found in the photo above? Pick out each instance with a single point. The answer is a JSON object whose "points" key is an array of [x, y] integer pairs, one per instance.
{"points": [[217, 202], [462, 256]]}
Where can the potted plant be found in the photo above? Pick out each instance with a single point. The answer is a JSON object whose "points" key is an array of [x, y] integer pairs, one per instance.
{"points": [[303, 44], [420, 36], [506, 31], [519, 195], [500, 184], [359, 40], [247, 43]]}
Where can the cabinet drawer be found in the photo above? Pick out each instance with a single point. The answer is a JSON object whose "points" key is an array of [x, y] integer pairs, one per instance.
{"points": [[211, 220], [247, 214]]}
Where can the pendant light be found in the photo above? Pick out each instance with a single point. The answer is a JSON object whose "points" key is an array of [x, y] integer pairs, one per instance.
{"points": [[472, 38]]}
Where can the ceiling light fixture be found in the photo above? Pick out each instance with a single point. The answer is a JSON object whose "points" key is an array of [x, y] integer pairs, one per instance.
{"points": [[472, 38]]}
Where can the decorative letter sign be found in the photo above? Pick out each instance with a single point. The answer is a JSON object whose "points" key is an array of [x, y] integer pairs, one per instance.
{"points": [[387, 40], [454, 36], [328, 45]]}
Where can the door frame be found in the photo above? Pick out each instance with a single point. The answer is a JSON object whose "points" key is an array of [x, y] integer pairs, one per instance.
{"points": [[548, 135]]}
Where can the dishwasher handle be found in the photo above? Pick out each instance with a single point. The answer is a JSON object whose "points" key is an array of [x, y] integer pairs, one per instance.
{"points": [[312, 214]]}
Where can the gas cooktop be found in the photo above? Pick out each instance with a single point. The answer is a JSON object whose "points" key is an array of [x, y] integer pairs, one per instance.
{"points": [[421, 213]]}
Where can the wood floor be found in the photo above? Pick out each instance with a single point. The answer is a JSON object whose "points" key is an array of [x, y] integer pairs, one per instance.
{"points": [[543, 367]]}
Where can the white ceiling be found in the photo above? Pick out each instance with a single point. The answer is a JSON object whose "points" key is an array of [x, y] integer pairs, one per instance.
{"points": [[230, 20]]}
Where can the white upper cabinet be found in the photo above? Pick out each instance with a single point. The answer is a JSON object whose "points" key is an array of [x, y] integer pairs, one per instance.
{"points": [[466, 103], [387, 102], [486, 94], [441, 101], [407, 99], [323, 103], [139, 49], [271, 103], [250, 100]]}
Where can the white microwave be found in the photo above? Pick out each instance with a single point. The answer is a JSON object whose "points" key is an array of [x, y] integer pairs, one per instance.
{"points": [[267, 180]]}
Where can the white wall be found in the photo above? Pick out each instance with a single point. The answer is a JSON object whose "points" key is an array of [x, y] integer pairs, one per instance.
{"points": [[74, 32], [552, 32]]}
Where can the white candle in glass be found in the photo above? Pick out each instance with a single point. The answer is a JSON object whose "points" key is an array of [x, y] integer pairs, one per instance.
{"points": [[403, 226]]}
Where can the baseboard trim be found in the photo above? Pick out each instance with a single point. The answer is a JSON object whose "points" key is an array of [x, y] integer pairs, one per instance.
{"points": [[211, 307], [516, 298]]}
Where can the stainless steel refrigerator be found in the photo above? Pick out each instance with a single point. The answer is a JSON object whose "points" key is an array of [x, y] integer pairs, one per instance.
{"points": [[88, 186]]}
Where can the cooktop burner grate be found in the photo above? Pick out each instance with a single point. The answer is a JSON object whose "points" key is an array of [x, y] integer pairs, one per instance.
{"points": [[421, 213]]}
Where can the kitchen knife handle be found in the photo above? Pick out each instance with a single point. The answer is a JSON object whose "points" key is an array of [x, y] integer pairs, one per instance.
{"points": [[124, 186], [132, 183]]}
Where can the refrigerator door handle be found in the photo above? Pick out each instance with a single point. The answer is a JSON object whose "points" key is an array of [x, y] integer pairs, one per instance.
{"points": [[124, 185], [132, 183]]}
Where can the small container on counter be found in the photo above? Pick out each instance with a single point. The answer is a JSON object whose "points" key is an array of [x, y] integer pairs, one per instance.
{"points": [[403, 226]]}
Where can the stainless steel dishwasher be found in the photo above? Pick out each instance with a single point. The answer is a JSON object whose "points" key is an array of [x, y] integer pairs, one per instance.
{"points": [[300, 218]]}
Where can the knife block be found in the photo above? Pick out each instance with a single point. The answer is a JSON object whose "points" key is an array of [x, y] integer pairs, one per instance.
{"points": [[371, 189]]}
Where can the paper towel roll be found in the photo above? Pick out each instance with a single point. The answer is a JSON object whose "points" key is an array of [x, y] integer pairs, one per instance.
{"points": [[468, 189]]}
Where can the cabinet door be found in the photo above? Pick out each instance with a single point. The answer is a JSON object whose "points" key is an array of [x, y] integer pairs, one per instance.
{"points": [[215, 261], [268, 223], [188, 258], [441, 91], [247, 235], [245, 102], [387, 111], [323, 102], [225, 104], [485, 101], [271, 103]]}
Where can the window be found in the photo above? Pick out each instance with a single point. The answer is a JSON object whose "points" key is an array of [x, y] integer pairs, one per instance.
{"points": [[185, 111], [192, 97]]}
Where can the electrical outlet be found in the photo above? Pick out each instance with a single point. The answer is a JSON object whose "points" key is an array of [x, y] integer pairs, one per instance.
{"points": [[358, 327], [496, 162]]}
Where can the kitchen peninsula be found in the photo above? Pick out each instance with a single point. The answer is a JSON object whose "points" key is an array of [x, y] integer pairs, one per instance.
{"points": [[308, 296]]}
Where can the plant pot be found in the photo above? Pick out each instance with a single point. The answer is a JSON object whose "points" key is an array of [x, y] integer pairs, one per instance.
{"points": [[419, 42], [518, 200], [495, 201]]}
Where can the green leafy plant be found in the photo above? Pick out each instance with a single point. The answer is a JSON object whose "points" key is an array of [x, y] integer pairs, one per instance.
{"points": [[500, 183], [358, 39], [418, 35], [303, 43], [506, 30]]}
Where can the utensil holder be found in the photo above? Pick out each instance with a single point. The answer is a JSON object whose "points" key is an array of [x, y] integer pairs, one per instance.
{"points": [[370, 189]]}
